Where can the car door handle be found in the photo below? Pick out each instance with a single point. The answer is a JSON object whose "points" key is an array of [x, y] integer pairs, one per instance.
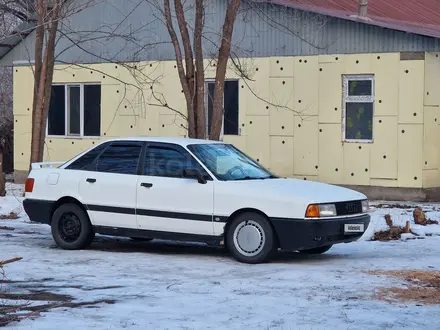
{"points": [[146, 185], [91, 180]]}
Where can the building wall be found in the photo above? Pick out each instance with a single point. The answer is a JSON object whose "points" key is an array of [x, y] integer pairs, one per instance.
{"points": [[290, 115]]}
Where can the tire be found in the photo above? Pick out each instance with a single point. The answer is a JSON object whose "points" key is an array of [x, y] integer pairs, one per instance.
{"points": [[141, 239], [260, 244], [318, 250], [71, 227]]}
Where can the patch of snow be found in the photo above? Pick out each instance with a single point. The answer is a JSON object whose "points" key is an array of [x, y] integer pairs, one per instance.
{"points": [[162, 285], [13, 201], [407, 236], [400, 216]]}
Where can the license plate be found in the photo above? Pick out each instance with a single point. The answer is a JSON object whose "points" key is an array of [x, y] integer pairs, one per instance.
{"points": [[354, 227]]}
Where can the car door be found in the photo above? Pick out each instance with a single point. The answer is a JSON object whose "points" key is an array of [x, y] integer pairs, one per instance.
{"points": [[169, 202], [109, 186]]}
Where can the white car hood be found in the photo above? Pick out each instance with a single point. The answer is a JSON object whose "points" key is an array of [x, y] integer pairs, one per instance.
{"points": [[302, 190]]}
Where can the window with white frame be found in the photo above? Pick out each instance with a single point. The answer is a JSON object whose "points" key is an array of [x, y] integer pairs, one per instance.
{"points": [[230, 105], [75, 110], [358, 107]]}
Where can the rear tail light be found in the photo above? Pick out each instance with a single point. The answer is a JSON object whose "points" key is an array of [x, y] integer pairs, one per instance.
{"points": [[29, 185]]}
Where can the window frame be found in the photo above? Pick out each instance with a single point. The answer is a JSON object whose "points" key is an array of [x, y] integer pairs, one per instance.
{"points": [[177, 148], [346, 98], [206, 97], [81, 117]]}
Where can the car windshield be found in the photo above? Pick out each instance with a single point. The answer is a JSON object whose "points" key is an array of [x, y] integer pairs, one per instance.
{"points": [[228, 163]]}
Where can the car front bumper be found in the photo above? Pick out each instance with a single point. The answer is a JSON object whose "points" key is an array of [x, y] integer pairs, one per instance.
{"points": [[302, 234]]}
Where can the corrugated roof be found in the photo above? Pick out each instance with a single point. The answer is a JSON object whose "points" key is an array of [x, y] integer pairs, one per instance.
{"points": [[20, 33], [419, 17], [412, 16]]}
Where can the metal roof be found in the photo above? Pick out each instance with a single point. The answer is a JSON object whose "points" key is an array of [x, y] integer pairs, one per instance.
{"points": [[16, 36], [411, 16], [419, 17]]}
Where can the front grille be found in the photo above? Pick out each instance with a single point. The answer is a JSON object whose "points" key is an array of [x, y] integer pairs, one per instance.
{"points": [[347, 208]]}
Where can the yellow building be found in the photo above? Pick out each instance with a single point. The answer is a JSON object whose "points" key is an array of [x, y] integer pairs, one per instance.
{"points": [[363, 119]]}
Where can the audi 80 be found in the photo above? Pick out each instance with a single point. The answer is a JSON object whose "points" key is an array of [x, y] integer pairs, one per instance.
{"points": [[190, 190]]}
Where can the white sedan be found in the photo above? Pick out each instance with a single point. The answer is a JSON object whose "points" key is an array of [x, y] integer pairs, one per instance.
{"points": [[190, 190]]}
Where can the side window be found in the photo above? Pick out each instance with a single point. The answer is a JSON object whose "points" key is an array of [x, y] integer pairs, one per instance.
{"points": [[358, 107], [119, 158], [87, 159], [168, 162]]}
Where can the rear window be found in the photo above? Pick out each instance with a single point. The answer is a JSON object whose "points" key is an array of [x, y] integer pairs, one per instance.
{"points": [[84, 162]]}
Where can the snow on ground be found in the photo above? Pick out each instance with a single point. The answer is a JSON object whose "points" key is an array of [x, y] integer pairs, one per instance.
{"points": [[160, 285]]}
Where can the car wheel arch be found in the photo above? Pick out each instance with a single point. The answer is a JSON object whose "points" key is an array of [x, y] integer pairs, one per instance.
{"points": [[68, 200], [245, 210]]}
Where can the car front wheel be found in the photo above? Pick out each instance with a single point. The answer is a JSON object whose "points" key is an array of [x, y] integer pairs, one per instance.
{"points": [[250, 238], [318, 250], [71, 227]]}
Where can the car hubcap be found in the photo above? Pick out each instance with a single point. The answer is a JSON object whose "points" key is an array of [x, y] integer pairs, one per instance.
{"points": [[70, 227], [249, 238]]}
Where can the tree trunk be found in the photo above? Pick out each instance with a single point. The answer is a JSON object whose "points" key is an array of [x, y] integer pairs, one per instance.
{"points": [[200, 72], [49, 64], [223, 56], [39, 39], [189, 65], [182, 76], [42, 91], [2, 178]]}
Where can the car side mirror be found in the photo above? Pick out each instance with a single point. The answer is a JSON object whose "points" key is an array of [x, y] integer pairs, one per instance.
{"points": [[193, 173]]}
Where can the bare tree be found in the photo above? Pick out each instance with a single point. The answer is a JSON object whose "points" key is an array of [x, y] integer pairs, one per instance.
{"points": [[193, 79], [47, 21]]}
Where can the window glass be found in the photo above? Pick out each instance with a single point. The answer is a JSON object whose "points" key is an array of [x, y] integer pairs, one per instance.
{"points": [[211, 89], [359, 87], [230, 105], [87, 159], [120, 158], [73, 110], [56, 118], [169, 162], [166, 162], [231, 108], [358, 107], [228, 163], [92, 110], [77, 108], [359, 121]]}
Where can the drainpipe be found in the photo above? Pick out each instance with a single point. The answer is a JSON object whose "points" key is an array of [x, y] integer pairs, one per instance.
{"points": [[362, 8]]}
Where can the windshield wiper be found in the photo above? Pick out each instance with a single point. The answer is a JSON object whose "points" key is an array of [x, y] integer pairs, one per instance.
{"points": [[270, 177], [246, 178], [256, 178]]}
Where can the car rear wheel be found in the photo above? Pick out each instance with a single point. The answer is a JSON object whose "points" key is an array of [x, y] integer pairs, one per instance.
{"points": [[250, 238], [318, 250], [71, 227]]}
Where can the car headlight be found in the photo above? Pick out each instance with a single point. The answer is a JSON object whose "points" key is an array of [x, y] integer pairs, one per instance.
{"points": [[320, 210], [365, 206]]}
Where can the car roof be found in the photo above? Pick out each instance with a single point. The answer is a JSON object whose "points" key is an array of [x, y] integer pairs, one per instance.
{"points": [[175, 140]]}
